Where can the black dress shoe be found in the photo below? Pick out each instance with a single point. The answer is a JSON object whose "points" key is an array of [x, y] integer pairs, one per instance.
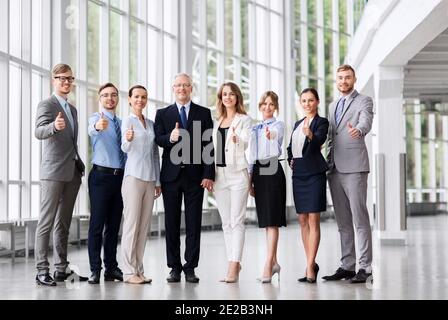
{"points": [[113, 275], [45, 280], [361, 277], [94, 277], [62, 276], [340, 274], [191, 277], [174, 276]]}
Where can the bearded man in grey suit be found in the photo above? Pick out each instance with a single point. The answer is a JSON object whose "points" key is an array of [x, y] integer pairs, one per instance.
{"points": [[60, 174], [350, 121]]}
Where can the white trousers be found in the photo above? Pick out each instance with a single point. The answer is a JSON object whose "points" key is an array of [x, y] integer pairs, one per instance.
{"points": [[138, 201], [231, 191]]}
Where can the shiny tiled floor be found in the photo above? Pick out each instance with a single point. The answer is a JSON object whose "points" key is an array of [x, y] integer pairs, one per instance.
{"points": [[418, 270]]}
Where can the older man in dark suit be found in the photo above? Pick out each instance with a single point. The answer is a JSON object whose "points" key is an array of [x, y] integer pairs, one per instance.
{"points": [[176, 128]]}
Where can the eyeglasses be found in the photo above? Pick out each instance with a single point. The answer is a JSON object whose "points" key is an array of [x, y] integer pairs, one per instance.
{"points": [[65, 79], [182, 85], [106, 95]]}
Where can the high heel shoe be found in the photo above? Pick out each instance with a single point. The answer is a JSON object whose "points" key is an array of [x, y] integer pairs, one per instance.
{"points": [[233, 279], [275, 269], [316, 270]]}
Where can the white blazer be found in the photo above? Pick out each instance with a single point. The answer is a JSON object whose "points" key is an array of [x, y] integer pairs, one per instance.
{"points": [[235, 152]]}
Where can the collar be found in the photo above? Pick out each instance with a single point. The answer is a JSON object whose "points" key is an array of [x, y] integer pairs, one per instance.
{"points": [[187, 105], [109, 114], [269, 121], [133, 115], [61, 100], [347, 97]]}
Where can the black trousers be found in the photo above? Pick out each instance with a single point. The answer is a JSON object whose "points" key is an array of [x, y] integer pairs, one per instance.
{"points": [[106, 210], [173, 192]]}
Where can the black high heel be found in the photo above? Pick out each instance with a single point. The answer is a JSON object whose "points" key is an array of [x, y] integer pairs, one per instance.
{"points": [[302, 279], [316, 270]]}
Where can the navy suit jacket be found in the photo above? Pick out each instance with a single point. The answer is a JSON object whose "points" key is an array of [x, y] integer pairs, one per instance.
{"points": [[312, 161], [165, 122]]}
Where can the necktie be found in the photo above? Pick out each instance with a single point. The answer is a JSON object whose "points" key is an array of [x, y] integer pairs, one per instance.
{"points": [[118, 133], [69, 116], [339, 110], [183, 117]]}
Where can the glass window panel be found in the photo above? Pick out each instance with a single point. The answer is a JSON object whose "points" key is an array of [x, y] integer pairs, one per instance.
{"points": [[154, 16], [425, 126], [228, 26], [312, 52], [15, 124], [276, 41], [343, 47], [133, 52], [15, 28], [14, 202], [197, 53], [245, 84], [261, 18], [277, 6], [116, 3], [170, 66], [134, 8], [36, 97], [170, 16], [410, 154], [195, 22], [93, 34], [36, 32], [244, 29], [72, 31], [312, 12], [35, 201], [439, 164], [328, 21], [212, 81], [152, 64], [211, 22], [343, 16], [229, 69], [114, 48], [425, 164], [262, 80], [277, 85]]}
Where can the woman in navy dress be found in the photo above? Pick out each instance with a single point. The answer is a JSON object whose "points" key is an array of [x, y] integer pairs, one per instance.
{"points": [[309, 177]]}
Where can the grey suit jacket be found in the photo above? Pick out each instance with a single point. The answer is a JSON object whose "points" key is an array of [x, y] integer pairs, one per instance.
{"points": [[348, 154], [60, 148]]}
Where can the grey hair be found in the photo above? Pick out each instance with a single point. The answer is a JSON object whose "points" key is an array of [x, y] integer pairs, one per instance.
{"points": [[183, 75]]}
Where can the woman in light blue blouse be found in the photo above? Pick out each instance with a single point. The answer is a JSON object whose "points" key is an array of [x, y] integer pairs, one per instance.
{"points": [[141, 185], [268, 183]]}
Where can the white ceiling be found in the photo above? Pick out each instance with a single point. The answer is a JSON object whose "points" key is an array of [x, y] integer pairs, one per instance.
{"points": [[426, 74]]}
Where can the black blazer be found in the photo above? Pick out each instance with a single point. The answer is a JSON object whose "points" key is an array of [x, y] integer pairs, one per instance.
{"points": [[165, 122], [312, 161]]}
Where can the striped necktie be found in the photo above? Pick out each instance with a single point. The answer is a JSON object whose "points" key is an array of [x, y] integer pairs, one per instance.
{"points": [[118, 133]]}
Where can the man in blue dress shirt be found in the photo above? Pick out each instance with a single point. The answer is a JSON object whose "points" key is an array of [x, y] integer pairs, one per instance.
{"points": [[105, 178]]}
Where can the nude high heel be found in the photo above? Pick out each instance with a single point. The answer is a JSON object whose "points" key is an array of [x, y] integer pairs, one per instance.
{"points": [[234, 279], [275, 269]]}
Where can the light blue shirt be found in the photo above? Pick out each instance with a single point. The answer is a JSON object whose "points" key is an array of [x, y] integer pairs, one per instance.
{"points": [[260, 147], [105, 147], [143, 153]]}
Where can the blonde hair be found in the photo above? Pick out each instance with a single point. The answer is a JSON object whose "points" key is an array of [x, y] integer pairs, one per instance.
{"points": [[221, 109]]}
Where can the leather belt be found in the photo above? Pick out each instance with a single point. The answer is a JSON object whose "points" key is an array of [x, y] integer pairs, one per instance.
{"points": [[115, 172]]}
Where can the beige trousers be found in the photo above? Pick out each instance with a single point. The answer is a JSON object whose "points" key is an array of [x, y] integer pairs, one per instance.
{"points": [[138, 201]]}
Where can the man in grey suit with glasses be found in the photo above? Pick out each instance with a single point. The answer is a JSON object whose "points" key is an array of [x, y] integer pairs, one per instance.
{"points": [[60, 174], [350, 121]]}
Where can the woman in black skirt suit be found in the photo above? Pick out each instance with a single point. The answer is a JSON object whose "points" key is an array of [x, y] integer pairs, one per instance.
{"points": [[308, 177], [268, 183]]}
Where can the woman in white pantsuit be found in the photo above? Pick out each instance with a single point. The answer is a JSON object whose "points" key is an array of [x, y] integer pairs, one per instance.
{"points": [[230, 137], [141, 185]]}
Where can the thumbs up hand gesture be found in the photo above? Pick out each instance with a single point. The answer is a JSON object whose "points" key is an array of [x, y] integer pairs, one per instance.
{"points": [[234, 136], [130, 133], [102, 123], [174, 137], [59, 123], [268, 133], [306, 129], [353, 132]]}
